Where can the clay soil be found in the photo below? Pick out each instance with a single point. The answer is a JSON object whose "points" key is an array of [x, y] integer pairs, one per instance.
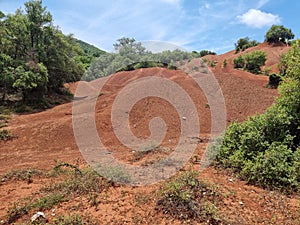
{"points": [[45, 138]]}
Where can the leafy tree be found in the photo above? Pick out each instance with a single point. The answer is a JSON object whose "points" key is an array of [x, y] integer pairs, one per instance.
{"points": [[6, 78], [206, 52], [244, 43], [35, 55], [132, 54], [278, 33], [38, 20], [31, 80]]}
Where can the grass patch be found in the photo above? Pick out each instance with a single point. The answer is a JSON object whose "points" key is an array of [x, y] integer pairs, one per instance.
{"points": [[74, 219], [21, 175], [85, 182], [186, 197], [23, 207], [5, 135]]}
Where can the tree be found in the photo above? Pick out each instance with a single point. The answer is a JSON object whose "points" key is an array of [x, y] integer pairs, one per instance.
{"points": [[244, 43], [206, 52], [278, 33], [31, 80], [38, 20], [35, 56]]}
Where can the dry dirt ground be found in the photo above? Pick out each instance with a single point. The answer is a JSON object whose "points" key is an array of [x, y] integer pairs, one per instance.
{"points": [[45, 138]]}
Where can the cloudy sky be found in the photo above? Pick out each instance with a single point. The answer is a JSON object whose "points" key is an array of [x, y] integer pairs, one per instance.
{"points": [[190, 24]]}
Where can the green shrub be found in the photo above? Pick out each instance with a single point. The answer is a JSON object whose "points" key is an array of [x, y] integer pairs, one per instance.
{"points": [[254, 60], [274, 80], [244, 43], [251, 61], [239, 62], [74, 219], [5, 135], [187, 197], [225, 63], [264, 150]]}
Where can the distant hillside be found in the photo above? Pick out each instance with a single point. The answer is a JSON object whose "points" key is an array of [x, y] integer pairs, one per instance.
{"points": [[89, 49], [273, 52]]}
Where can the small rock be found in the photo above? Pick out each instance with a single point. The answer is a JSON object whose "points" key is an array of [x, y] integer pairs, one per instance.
{"points": [[230, 180], [241, 203], [38, 215], [184, 118]]}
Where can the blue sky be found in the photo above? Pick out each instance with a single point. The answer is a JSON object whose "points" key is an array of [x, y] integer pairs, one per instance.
{"points": [[191, 24]]}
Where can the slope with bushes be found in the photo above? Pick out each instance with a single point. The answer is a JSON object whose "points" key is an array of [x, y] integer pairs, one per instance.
{"points": [[265, 149]]}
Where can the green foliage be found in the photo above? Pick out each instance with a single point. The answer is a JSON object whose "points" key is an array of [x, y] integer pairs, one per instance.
{"points": [[23, 174], [90, 50], [251, 61], [239, 62], [278, 33], [132, 55], [35, 56], [22, 208], [75, 183], [206, 52], [274, 80], [244, 43], [5, 135], [32, 79], [225, 63], [187, 197], [254, 60], [264, 150]]}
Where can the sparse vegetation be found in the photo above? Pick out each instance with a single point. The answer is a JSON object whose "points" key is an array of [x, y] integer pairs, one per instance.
{"points": [[22, 174], [87, 182], [225, 63], [186, 197], [5, 135]]}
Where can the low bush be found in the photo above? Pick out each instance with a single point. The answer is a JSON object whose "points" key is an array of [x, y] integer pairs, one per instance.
{"points": [[264, 150], [186, 197], [239, 62], [274, 80]]}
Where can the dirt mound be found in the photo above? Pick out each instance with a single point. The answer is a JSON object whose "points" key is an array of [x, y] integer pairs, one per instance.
{"points": [[45, 137]]}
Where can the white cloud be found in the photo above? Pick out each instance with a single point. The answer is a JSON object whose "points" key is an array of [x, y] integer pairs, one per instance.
{"points": [[258, 19]]}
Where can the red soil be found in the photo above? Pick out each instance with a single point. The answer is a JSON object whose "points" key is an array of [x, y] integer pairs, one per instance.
{"points": [[44, 137]]}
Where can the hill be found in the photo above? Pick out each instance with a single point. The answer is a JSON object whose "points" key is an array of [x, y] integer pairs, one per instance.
{"points": [[90, 50], [45, 138]]}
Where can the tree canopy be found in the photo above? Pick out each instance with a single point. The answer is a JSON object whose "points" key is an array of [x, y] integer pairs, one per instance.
{"points": [[35, 56], [130, 52], [279, 33], [244, 43]]}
